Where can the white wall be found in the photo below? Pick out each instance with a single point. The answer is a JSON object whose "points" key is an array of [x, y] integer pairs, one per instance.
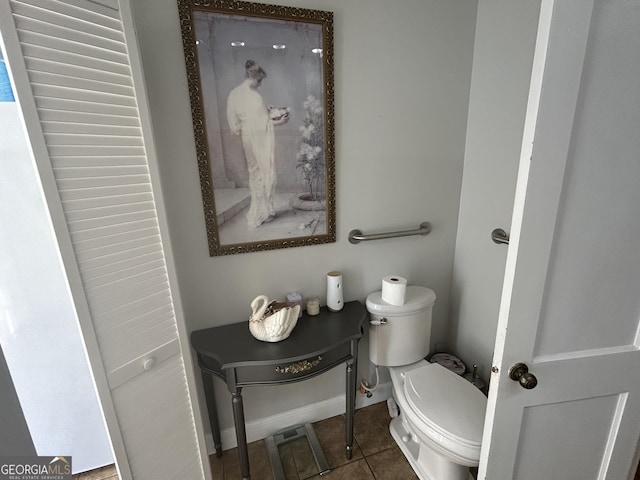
{"points": [[503, 52], [402, 75]]}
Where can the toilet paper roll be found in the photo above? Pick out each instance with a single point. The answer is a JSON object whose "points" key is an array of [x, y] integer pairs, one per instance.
{"points": [[394, 289]]}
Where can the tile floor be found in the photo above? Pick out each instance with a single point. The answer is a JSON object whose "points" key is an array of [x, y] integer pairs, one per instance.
{"points": [[375, 456], [105, 473]]}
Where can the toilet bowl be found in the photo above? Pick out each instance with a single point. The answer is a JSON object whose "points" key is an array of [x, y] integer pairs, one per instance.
{"points": [[441, 421], [439, 429]]}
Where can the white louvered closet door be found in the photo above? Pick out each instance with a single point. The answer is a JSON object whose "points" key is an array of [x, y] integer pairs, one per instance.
{"points": [[100, 158]]}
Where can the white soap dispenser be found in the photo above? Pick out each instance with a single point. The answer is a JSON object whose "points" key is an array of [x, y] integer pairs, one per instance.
{"points": [[334, 291]]}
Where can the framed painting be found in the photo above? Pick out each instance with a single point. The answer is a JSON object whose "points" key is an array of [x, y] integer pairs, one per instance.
{"points": [[261, 88]]}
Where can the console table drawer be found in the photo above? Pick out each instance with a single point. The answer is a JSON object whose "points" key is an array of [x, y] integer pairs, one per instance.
{"points": [[292, 371]]}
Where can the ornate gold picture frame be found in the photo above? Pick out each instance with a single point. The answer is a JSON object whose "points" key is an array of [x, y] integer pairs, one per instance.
{"points": [[261, 89]]}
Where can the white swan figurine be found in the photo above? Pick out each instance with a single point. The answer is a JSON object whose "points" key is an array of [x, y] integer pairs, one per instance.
{"points": [[271, 323]]}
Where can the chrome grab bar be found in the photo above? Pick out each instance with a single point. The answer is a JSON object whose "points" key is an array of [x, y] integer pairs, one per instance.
{"points": [[500, 236], [356, 236]]}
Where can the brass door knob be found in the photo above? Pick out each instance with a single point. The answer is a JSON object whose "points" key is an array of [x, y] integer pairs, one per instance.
{"points": [[520, 373]]}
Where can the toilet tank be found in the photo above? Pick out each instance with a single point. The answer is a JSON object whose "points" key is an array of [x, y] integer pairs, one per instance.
{"points": [[400, 335]]}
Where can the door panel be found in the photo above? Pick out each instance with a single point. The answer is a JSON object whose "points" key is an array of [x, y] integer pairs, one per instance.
{"points": [[587, 287], [584, 458]]}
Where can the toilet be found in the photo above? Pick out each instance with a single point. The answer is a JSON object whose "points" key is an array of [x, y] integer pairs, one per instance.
{"points": [[439, 428]]}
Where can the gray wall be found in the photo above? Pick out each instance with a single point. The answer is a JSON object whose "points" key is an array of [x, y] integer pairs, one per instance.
{"points": [[14, 434], [402, 76], [503, 52]]}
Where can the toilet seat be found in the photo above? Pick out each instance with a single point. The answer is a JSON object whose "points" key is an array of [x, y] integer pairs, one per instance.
{"points": [[447, 411], [447, 403]]}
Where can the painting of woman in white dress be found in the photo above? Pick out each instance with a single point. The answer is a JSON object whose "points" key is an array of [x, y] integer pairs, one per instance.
{"points": [[266, 181], [249, 117]]}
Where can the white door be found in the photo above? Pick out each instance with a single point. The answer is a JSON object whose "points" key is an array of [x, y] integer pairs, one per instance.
{"points": [[571, 299]]}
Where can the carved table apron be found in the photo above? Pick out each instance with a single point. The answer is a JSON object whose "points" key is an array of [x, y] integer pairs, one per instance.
{"points": [[317, 344]]}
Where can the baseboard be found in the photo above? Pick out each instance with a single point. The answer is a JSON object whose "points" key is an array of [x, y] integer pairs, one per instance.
{"points": [[264, 427]]}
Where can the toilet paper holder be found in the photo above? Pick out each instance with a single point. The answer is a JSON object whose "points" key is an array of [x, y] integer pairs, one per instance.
{"points": [[356, 236]]}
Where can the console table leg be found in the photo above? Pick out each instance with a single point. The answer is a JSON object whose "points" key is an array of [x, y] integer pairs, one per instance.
{"points": [[352, 368], [207, 381], [241, 433]]}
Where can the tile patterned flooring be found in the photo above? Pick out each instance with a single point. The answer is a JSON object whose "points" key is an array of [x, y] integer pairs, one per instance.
{"points": [[105, 473], [375, 455]]}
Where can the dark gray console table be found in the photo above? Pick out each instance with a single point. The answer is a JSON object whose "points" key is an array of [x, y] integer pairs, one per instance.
{"points": [[317, 344]]}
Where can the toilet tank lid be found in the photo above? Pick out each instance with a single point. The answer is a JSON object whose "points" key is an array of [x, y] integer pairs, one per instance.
{"points": [[416, 299]]}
